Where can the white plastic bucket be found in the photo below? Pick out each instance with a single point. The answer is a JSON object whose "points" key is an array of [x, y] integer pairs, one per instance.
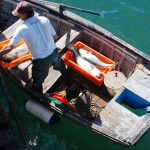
{"points": [[114, 81]]}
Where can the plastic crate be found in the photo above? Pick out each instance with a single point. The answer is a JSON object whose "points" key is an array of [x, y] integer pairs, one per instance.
{"points": [[16, 61], [70, 61]]}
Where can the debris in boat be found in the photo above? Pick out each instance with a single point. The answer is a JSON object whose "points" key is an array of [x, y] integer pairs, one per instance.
{"points": [[87, 66], [93, 59], [61, 98], [18, 52]]}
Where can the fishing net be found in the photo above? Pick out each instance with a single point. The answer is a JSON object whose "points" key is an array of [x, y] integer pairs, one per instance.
{"points": [[84, 106]]}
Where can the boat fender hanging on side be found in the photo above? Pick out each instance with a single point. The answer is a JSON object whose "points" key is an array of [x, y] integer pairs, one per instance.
{"points": [[40, 111]]}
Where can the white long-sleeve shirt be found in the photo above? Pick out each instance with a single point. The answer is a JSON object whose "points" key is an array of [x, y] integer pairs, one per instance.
{"points": [[37, 33]]}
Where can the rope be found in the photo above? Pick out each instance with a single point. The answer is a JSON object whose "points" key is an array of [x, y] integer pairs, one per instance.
{"points": [[84, 106]]}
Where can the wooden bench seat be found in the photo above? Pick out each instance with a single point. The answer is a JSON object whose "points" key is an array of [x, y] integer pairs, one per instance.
{"points": [[8, 33], [67, 38]]}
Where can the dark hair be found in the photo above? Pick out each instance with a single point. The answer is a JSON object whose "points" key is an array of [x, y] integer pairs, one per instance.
{"points": [[29, 13]]}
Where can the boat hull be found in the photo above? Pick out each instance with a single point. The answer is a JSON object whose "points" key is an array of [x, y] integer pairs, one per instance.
{"points": [[114, 121]]}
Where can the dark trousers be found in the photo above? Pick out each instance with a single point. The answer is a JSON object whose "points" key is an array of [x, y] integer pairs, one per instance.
{"points": [[40, 68]]}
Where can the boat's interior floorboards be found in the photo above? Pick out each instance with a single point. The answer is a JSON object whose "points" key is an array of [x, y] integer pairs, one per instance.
{"points": [[70, 36], [117, 119], [100, 97], [23, 72], [114, 124], [52, 77]]}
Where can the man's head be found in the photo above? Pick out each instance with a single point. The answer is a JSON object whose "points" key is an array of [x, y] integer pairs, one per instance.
{"points": [[22, 8]]}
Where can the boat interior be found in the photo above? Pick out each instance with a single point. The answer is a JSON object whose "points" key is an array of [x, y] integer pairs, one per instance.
{"points": [[113, 119]]}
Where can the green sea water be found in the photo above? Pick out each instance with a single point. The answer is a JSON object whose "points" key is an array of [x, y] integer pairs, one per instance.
{"points": [[132, 24]]}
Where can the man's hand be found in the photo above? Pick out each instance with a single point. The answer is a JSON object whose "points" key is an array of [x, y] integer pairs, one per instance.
{"points": [[4, 51], [5, 59], [55, 37]]}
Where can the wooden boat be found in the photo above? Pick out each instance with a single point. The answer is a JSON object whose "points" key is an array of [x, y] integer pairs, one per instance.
{"points": [[116, 116]]}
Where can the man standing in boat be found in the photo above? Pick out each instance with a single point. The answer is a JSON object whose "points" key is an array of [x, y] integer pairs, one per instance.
{"points": [[39, 35]]}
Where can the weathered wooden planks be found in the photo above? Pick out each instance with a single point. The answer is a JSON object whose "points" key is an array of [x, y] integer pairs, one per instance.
{"points": [[123, 114], [23, 71], [139, 131], [139, 83], [67, 38], [142, 76], [51, 79], [114, 124], [8, 33], [98, 101]]}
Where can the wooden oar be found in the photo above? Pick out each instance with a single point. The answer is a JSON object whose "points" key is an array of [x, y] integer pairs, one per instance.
{"points": [[62, 6], [88, 11]]}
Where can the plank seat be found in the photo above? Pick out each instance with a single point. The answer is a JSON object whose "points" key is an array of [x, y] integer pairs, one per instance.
{"points": [[67, 38], [8, 33], [139, 83]]}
